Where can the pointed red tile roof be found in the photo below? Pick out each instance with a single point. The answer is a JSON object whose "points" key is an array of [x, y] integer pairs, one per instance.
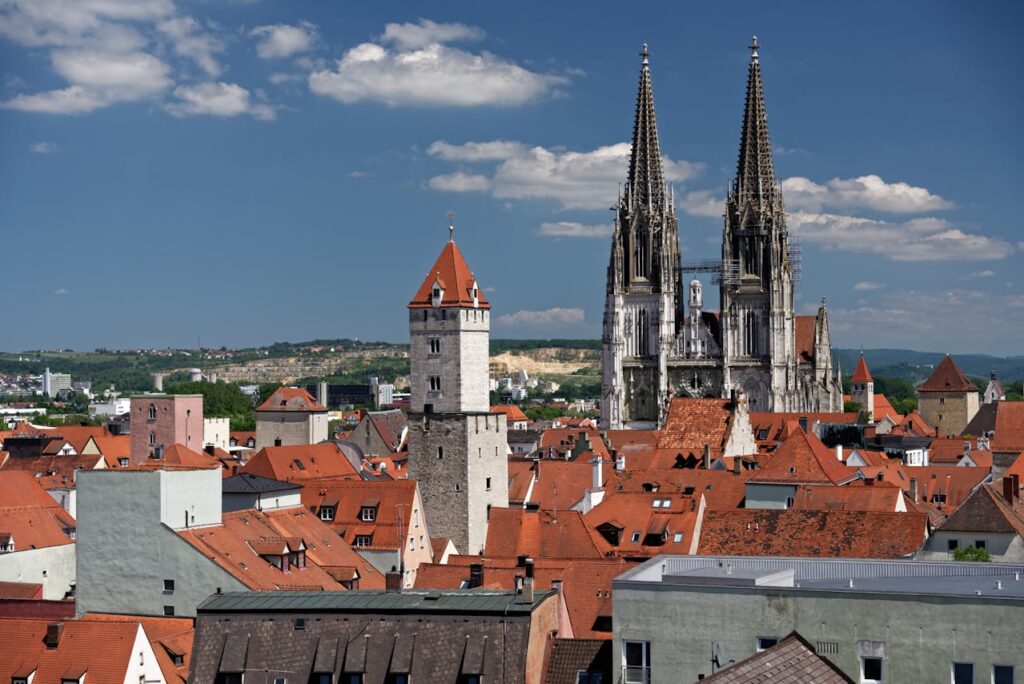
{"points": [[861, 374], [291, 399], [947, 377], [452, 273], [802, 459]]}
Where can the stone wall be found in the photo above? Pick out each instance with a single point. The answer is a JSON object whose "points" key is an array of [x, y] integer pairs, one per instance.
{"points": [[948, 411], [291, 427]]}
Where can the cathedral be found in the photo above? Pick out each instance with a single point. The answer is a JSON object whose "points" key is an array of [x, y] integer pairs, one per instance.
{"points": [[658, 340]]}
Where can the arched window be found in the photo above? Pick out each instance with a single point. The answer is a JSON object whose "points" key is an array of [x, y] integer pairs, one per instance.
{"points": [[152, 438], [641, 333], [152, 411], [640, 254]]}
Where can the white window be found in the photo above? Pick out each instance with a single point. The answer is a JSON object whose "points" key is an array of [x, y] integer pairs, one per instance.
{"points": [[368, 514], [677, 538], [327, 513], [871, 670], [636, 662], [363, 540], [766, 642], [636, 537]]}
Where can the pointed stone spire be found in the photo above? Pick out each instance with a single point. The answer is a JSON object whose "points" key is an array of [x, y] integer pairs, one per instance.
{"points": [[755, 175], [646, 180]]}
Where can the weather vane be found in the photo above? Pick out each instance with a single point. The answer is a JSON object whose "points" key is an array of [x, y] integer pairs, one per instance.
{"points": [[451, 226]]}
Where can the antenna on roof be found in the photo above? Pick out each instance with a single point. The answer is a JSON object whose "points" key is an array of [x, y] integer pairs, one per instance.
{"points": [[451, 226]]}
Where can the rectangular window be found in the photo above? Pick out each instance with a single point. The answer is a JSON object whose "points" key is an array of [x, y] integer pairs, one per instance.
{"points": [[168, 586], [412, 543], [1002, 674], [979, 543], [636, 537], [327, 513], [320, 678], [488, 484], [168, 610], [300, 624], [363, 539], [280, 680], [228, 678], [368, 514], [393, 678], [953, 544], [636, 662], [435, 383], [584, 677], [677, 538], [435, 346], [766, 642], [870, 670], [351, 678], [963, 673]]}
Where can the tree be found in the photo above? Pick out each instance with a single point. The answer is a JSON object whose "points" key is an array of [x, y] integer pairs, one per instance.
{"points": [[972, 554]]}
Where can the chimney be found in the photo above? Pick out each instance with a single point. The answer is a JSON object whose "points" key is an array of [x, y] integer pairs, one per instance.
{"points": [[839, 452], [53, 632], [737, 463], [528, 564], [209, 449], [556, 585], [528, 589], [803, 423], [1008, 490], [913, 489], [1016, 484], [393, 580], [597, 477], [476, 575], [706, 459]]}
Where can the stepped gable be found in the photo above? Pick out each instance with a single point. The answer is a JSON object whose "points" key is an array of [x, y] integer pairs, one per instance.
{"points": [[947, 377]]}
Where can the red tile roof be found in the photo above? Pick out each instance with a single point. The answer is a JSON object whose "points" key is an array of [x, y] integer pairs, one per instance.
{"points": [[693, 423], [30, 514], [1009, 427], [825, 534], [299, 462], [452, 273], [861, 374], [167, 636], [947, 377], [102, 649], [512, 412], [587, 588], [559, 441], [540, 534], [20, 590], [882, 497], [632, 527], [231, 545], [498, 572], [721, 489], [392, 501], [562, 484], [802, 459], [772, 428], [805, 338], [885, 409], [291, 399]]}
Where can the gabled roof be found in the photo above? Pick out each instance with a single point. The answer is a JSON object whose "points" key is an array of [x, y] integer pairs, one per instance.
{"points": [[558, 483], [721, 489], [539, 534], [947, 377], [987, 510], [167, 635], [31, 515], [775, 426], [104, 650], [1009, 426], [861, 374], [791, 661], [291, 399], [569, 657], [634, 516], [802, 459], [20, 590], [392, 500], [825, 534], [299, 462], [452, 273], [512, 412], [179, 454], [692, 423], [564, 440], [881, 497], [234, 545], [389, 425], [805, 328]]}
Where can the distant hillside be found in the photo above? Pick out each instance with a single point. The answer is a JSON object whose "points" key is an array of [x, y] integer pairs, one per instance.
{"points": [[915, 366]]}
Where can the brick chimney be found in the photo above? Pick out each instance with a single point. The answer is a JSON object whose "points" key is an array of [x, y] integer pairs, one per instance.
{"points": [[476, 575], [913, 489], [393, 580], [53, 632], [1008, 489]]}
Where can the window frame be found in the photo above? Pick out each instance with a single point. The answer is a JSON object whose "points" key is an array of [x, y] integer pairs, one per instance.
{"points": [[643, 669], [762, 643], [863, 670], [952, 673], [1012, 673], [326, 513]]}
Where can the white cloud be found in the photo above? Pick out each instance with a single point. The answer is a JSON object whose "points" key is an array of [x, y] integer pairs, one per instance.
{"points": [[865, 192], [867, 285], [60, 291], [279, 78], [572, 229], [218, 99], [284, 40], [974, 275], [494, 150], [421, 70], [911, 318], [105, 24], [547, 318], [577, 180], [459, 182], [45, 148], [702, 203], [917, 239], [426, 32], [97, 79], [190, 41]]}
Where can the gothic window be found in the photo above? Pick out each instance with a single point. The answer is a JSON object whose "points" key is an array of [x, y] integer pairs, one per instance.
{"points": [[641, 333], [435, 383], [640, 254], [152, 411]]}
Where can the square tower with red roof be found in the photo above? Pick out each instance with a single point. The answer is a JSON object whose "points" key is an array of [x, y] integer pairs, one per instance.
{"points": [[457, 447]]}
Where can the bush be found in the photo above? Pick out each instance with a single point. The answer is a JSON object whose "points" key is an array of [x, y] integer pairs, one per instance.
{"points": [[973, 554]]}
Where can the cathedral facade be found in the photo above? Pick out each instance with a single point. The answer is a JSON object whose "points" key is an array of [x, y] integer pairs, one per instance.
{"points": [[658, 340]]}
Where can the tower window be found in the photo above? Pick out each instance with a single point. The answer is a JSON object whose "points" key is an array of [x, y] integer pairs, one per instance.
{"points": [[152, 411], [440, 452], [435, 383], [435, 346]]}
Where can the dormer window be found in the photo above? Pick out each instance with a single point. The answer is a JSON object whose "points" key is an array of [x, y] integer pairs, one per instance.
{"points": [[368, 513], [363, 540], [327, 513], [436, 294]]}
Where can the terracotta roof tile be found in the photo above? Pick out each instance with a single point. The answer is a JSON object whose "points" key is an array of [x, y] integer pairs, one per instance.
{"points": [[299, 462], [540, 534], [452, 273], [569, 657], [880, 497], [721, 489], [947, 377], [692, 423], [825, 534], [512, 412], [645, 524], [805, 338], [802, 459], [391, 500], [861, 374], [168, 636], [22, 650], [291, 399], [1009, 427]]}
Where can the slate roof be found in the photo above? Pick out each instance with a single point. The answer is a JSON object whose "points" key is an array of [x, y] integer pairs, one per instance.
{"points": [[247, 483], [569, 656], [363, 600], [947, 377], [791, 661], [291, 399], [826, 534], [455, 278]]}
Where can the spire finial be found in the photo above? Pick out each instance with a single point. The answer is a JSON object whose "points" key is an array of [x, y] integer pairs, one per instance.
{"points": [[451, 226], [754, 45], [645, 53]]}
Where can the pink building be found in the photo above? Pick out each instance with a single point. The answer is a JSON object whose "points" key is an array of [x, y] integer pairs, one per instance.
{"points": [[160, 420]]}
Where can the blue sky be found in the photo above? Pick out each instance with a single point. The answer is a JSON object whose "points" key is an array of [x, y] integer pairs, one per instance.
{"points": [[246, 172]]}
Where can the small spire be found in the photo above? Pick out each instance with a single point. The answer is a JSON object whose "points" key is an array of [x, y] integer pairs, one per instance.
{"points": [[645, 53], [451, 226], [754, 45]]}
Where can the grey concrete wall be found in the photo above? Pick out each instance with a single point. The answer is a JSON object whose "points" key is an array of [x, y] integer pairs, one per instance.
{"points": [[920, 635], [768, 496], [53, 567], [291, 427], [125, 552], [1005, 548]]}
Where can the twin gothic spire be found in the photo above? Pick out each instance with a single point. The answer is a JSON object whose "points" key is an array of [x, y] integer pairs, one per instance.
{"points": [[646, 185], [755, 173]]}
